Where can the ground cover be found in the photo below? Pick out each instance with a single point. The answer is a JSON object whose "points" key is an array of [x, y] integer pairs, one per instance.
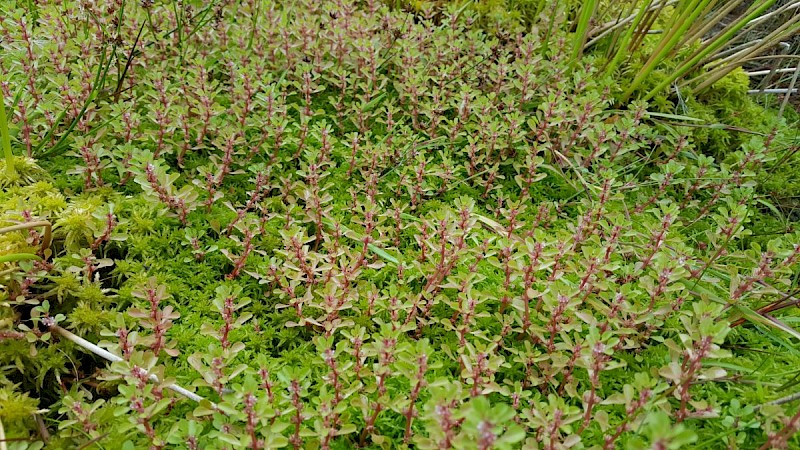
{"points": [[356, 224]]}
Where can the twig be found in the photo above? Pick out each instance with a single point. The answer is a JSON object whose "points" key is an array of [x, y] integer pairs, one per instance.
{"points": [[97, 439], [48, 231], [118, 89], [114, 358], [3, 445], [772, 307], [724, 54], [774, 69], [772, 91], [777, 11], [782, 400], [765, 72], [43, 433]]}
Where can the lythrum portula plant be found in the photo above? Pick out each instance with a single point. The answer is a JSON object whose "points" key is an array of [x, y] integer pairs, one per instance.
{"points": [[446, 225]]}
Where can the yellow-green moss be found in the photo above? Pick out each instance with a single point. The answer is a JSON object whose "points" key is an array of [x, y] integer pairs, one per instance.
{"points": [[16, 406], [26, 172]]}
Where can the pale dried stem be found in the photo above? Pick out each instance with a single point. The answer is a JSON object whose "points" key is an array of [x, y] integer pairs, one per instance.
{"points": [[105, 354], [48, 230]]}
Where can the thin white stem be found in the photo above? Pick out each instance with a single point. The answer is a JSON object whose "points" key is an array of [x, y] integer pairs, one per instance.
{"points": [[766, 80], [765, 72], [772, 91], [103, 353], [114, 358], [3, 445], [782, 400], [733, 50]]}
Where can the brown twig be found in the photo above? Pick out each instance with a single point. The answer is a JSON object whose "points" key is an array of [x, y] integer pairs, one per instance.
{"points": [[48, 231]]}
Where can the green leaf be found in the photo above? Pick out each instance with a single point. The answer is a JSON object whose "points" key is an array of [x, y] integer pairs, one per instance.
{"points": [[14, 257], [372, 104], [382, 253], [672, 116], [771, 322]]}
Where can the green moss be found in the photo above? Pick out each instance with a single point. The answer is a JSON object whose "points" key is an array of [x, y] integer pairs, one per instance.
{"points": [[75, 224], [733, 86], [87, 319], [16, 406], [727, 103], [15, 352], [27, 171]]}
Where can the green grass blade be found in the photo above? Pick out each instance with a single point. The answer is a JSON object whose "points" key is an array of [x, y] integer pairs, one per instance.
{"points": [[718, 42], [16, 257], [626, 39], [771, 322], [587, 12], [382, 253], [6, 138], [668, 43]]}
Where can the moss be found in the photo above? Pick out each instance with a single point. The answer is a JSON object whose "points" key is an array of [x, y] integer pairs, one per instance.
{"points": [[40, 199], [15, 353], [16, 406], [726, 103], [492, 15], [85, 318], [75, 223], [26, 171], [733, 86]]}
